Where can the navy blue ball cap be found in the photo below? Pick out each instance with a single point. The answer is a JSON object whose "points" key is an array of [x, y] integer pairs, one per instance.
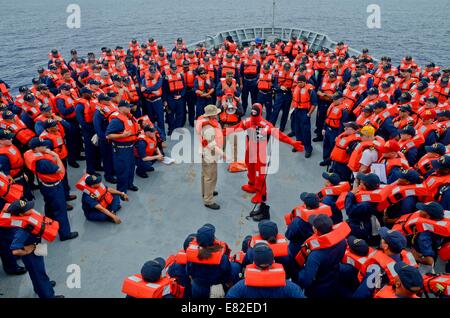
{"points": [[394, 239], [188, 240], [93, 179], [371, 178], [7, 114], [405, 108], [49, 123], [45, 108], [124, 103], [20, 206], [103, 97], [29, 98], [408, 130], [85, 90], [337, 95], [380, 104], [205, 235], [444, 113], [267, 229], [151, 270], [358, 246], [433, 99], [442, 163], [373, 91], [64, 87], [436, 148], [310, 199], [36, 142], [411, 175], [334, 178], [262, 255], [6, 134], [93, 82], [246, 243], [352, 124], [409, 276], [433, 209]]}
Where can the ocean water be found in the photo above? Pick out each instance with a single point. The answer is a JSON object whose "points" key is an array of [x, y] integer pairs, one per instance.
{"points": [[30, 28]]}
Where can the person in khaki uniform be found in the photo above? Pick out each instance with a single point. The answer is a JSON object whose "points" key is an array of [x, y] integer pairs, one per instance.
{"points": [[210, 133]]}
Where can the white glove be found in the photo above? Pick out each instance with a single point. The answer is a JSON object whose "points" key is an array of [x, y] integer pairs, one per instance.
{"points": [[94, 140]]}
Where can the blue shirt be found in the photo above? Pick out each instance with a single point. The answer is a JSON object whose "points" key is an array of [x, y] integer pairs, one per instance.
{"points": [[115, 126], [45, 166], [5, 165], [208, 275], [141, 145], [297, 233], [61, 105], [23, 238]]}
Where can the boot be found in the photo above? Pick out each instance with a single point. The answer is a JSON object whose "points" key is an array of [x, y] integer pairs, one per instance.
{"points": [[248, 188], [264, 213]]}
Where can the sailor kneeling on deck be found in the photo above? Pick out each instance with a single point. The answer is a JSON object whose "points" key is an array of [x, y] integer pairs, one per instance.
{"points": [[100, 203]]}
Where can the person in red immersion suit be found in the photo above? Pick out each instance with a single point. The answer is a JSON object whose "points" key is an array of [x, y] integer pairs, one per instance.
{"points": [[258, 132]]}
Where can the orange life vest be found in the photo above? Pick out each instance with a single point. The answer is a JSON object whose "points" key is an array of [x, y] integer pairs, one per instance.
{"points": [[374, 196], [204, 85], [250, 67], [330, 87], [88, 109], [334, 115], [57, 140], [136, 287], [386, 263], [401, 123], [286, 79], [21, 132], [9, 191], [396, 193], [68, 102], [302, 212], [202, 122], [317, 242], [274, 276], [152, 82], [424, 164], [189, 79], [100, 194], [129, 123], [279, 248], [31, 158], [339, 152], [351, 96], [407, 145], [301, 97], [228, 89], [334, 190], [32, 109], [413, 223], [441, 92], [388, 292], [15, 159], [435, 182], [354, 260], [265, 81], [400, 162], [175, 82], [40, 225], [439, 284], [193, 250], [405, 85], [425, 130], [355, 157], [228, 67], [378, 119], [151, 145], [224, 116]]}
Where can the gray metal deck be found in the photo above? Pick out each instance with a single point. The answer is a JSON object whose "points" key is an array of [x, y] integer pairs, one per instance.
{"points": [[157, 219]]}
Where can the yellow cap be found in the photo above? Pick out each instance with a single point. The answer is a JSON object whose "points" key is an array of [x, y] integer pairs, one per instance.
{"points": [[367, 131]]}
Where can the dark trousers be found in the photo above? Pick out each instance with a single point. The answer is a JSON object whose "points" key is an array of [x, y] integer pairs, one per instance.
{"points": [[321, 116], [342, 170], [177, 112], [303, 128], [329, 141], [143, 166], [155, 111], [200, 106], [97, 216], [265, 99], [123, 159], [73, 138], [36, 269], [282, 103], [55, 207], [91, 151], [107, 158], [249, 88], [190, 98], [9, 261]]}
